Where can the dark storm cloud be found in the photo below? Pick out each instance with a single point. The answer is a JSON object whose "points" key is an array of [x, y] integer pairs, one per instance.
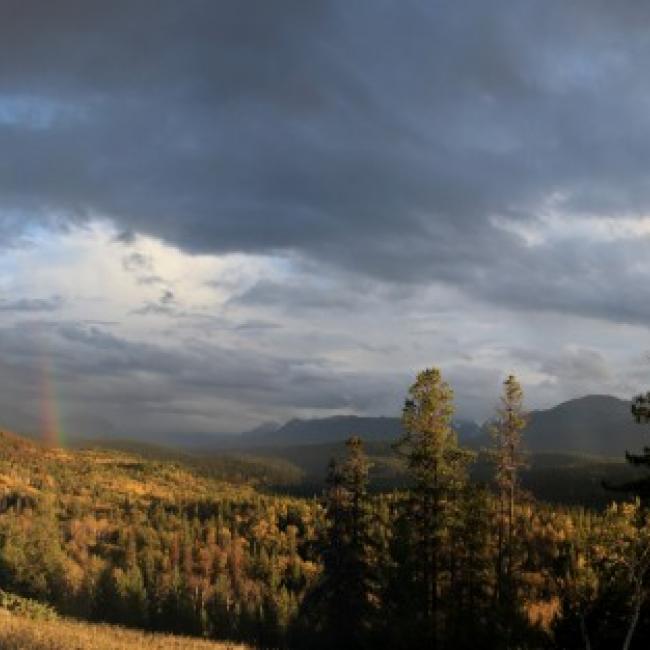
{"points": [[376, 137]]}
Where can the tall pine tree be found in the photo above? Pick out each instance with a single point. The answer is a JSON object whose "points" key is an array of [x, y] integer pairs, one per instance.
{"points": [[508, 457], [437, 466], [641, 487], [341, 608]]}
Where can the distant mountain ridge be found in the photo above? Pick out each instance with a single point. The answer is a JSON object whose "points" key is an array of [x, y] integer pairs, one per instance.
{"points": [[341, 427], [594, 424], [600, 425]]}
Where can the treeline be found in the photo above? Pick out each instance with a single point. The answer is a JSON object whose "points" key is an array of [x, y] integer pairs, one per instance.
{"points": [[236, 568], [444, 564], [455, 565]]}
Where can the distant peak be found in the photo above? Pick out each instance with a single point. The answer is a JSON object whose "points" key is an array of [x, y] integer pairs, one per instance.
{"points": [[266, 427], [592, 398]]}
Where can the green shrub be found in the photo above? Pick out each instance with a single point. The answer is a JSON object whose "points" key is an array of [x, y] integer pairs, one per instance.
{"points": [[26, 607]]}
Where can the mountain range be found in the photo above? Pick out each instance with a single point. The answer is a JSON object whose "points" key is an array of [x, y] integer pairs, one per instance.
{"points": [[594, 424], [574, 446], [341, 427]]}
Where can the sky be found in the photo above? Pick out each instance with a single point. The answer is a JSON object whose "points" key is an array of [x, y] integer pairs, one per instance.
{"points": [[219, 213]]}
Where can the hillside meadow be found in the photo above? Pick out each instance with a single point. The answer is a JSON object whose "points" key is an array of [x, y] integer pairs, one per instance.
{"points": [[22, 633]]}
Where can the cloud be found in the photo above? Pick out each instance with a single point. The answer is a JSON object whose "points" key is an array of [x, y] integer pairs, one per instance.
{"points": [[126, 384], [32, 304], [297, 295], [578, 365], [374, 186], [136, 262], [381, 142]]}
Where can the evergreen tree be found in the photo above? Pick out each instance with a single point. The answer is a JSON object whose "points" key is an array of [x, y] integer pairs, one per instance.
{"points": [[340, 609], [437, 466], [641, 487], [359, 557], [472, 563], [508, 458]]}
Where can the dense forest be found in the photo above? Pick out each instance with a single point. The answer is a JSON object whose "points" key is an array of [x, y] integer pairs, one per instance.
{"points": [[444, 562]]}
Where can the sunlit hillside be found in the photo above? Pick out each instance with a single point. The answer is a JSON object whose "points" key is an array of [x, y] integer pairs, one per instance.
{"points": [[110, 536], [205, 550]]}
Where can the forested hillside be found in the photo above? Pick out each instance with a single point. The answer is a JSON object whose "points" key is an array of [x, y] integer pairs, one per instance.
{"points": [[191, 547], [110, 536], [300, 470]]}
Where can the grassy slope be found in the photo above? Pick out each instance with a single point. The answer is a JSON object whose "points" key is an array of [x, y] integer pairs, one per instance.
{"points": [[22, 633]]}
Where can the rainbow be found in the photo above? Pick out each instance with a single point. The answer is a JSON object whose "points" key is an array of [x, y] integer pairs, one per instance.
{"points": [[51, 429]]}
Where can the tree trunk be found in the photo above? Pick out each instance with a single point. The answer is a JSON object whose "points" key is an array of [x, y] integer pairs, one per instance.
{"points": [[500, 541], [511, 521], [584, 632], [435, 551], [638, 601]]}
